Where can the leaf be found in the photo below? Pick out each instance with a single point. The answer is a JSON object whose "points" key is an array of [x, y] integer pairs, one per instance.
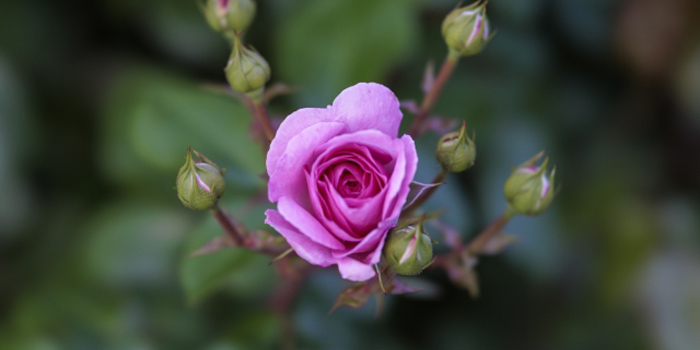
{"points": [[410, 105], [151, 117], [330, 45], [398, 288], [354, 296], [462, 273], [428, 77], [441, 125], [213, 246], [132, 242], [416, 189], [452, 237], [237, 270], [497, 244]]}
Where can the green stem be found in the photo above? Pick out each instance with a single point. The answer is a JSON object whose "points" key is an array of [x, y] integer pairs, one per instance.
{"points": [[432, 96]]}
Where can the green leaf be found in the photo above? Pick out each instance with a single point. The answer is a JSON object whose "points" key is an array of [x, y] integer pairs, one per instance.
{"points": [[244, 272], [133, 243], [354, 296], [327, 46], [152, 116]]}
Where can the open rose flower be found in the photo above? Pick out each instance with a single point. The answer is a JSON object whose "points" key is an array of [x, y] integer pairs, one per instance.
{"points": [[340, 176]]}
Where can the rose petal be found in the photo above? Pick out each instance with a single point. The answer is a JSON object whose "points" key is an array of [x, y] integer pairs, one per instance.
{"points": [[318, 204], [307, 249], [351, 269], [368, 106], [371, 242], [291, 126], [288, 177], [363, 217], [402, 182], [303, 221], [361, 107]]}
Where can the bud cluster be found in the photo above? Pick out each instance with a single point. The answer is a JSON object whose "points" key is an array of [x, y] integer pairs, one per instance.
{"points": [[247, 71]]}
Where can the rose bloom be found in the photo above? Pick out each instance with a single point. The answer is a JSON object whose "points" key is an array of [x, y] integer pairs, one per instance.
{"points": [[340, 176]]}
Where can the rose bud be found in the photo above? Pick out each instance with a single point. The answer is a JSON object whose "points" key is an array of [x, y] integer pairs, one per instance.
{"points": [[229, 16], [408, 250], [456, 152], [529, 187], [199, 184], [466, 29], [247, 71]]}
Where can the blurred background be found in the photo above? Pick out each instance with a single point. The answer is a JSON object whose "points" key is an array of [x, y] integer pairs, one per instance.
{"points": [[100, 99]]}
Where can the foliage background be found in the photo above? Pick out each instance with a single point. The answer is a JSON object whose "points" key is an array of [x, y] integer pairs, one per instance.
{"points": [[99, 100]]}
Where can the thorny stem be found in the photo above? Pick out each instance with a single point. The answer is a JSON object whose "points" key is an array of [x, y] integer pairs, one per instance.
{"points": [[432, 96], [229, 226], [482, 239], [476, 245], [440, 177]]}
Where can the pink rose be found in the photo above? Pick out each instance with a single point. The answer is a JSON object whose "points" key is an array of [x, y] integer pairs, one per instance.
{"points": [[340, 176]]}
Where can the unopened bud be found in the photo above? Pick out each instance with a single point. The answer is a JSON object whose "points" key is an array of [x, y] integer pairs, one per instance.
{"points": [[247, 71], [456, 151], [466, 29], [529, 189], [229, 16], [408, 250], [200, 184]]}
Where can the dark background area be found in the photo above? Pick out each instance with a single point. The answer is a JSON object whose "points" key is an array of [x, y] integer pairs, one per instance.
{"points": [[99, 101]]}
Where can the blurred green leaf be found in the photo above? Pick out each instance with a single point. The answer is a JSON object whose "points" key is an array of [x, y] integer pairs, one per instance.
{"points": [[246, 273], [134, 243], [327, 46], [28, 343], [18, 140], [152, 116]]}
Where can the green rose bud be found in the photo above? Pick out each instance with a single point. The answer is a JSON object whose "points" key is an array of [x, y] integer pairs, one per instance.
{"points": [[529, 189], [247, 71], [199, 184], [408, 250], [456, 152], [466, 29], [229, 16]]}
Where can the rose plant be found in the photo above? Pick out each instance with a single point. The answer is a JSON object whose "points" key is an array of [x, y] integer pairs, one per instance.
{"points": [[340, 177]]}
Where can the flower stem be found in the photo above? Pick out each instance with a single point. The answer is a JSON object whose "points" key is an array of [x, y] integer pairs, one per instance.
{"points": [[260, 113], [482, 239], [440, 177], [432, 96], [229, 226]]}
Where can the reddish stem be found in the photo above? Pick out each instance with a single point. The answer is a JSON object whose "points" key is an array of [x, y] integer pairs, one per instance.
{"points": [[479, 242], [432, 96], [229, 227], [260, 113]]}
